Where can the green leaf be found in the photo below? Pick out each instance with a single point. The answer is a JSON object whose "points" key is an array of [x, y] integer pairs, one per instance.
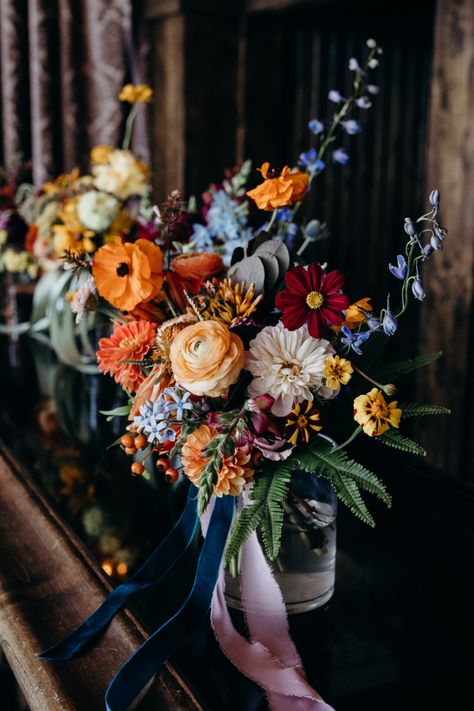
{"points": [[207, 480], [117, 412], [403, 367], [266, 508], [394, 438], [412, 409]]}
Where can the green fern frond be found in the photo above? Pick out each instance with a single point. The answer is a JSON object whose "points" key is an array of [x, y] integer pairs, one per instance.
{"points": [[403, 367], [267, 495], [412, 409], [394, 438]]}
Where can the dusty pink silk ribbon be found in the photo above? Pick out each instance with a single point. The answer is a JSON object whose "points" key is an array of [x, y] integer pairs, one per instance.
{"points": [[270, 657]]}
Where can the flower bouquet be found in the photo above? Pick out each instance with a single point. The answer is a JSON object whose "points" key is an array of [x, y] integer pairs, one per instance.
{"points": [[74, 215], [250, 380]]}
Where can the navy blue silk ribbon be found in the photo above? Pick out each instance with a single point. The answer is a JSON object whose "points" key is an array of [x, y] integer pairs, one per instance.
{"points": [[147, 660], [151, 572]]}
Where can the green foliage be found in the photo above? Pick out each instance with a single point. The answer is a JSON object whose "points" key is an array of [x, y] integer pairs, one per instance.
{"points": [[266, 509], [412, 409], [403, 367], [117, 412], [394, 438], [346, 475], [207, 480]]}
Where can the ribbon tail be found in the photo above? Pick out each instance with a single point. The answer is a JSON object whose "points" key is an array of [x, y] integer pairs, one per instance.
{"points": [[141, 666], [151, 572]]}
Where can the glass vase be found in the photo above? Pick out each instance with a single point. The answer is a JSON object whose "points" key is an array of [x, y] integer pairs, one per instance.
{"points": [[305, 568]]}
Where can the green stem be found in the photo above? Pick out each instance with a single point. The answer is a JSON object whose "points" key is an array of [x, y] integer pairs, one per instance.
{"points": [[129, 126], [350, 439], [272, 220]]}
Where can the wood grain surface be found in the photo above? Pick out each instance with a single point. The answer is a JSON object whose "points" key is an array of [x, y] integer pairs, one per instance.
{"points": [[48, 585]]}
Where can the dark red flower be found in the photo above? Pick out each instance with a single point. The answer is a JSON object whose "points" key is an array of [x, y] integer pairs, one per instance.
{"points": [[312, 297]]}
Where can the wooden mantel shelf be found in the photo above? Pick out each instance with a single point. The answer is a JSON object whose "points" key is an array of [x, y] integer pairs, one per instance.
{"points": [[48, 585]]}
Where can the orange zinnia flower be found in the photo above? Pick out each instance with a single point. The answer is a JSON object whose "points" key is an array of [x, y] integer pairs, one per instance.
{"points": [[286, 189], [128, 274], [234, 472], [129, 341]]}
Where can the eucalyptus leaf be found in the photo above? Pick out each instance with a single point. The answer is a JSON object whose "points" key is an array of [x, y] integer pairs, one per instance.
{"points": [[277, 249], [251, 271]]}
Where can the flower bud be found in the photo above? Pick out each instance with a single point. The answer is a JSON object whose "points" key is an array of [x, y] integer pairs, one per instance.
{"points": [[417, 289], [371, 43], [436, 243], [427, 250], [389, 323], [434, 198], [390, 389], [409, 227], [440, 232]]}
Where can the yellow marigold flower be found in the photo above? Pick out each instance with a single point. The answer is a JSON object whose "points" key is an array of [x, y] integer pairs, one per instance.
{"points": [[355, 314], [374, 414], [136, 93], [337, 371], [62, 182], [100, 154], [72, 235], [301, 420], [285, 189]]}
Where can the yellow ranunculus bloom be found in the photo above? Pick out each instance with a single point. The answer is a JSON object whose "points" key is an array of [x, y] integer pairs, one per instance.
{"points": [[374, 414], [136, 93]]}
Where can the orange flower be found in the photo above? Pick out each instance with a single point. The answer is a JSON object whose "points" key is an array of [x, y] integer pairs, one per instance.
{"points": [[129, 341], [206, 358], [150, 388], [355, 314], [286, 189], [100, 154], [128, 274], [136, 93], [201, 265], [234, 472]]}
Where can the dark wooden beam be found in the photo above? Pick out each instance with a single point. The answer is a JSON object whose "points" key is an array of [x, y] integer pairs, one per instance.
{"points": [[446, 321], [49, 585]]}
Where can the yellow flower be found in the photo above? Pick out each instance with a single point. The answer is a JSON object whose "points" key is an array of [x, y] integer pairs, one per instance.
{"points": [[3, 237], [337, 371], [71, 234], [100, 154], [230, 302], [120, 227], [301, 420], [136, 93], [374, 414], [122, 175], [355, 314], [62, 182]]}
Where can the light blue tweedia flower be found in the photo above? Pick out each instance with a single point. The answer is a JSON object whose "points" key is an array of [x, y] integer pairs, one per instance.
{"points": [[316, 126], [311, 161], [153, 429], [340, 156], [389, 323], [179, 403], [201, 237], [354, 340], [363, 102], [142, 420], [335, 96], [401, 270], [351, 127]]}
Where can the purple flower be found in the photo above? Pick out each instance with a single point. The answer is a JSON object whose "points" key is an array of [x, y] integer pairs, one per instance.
{"points": [[436, 243], [340, 156], [335, 96], [434, 198], [440, 232], [284, 215], [389, 323], [372, 89], [417, 287], [427, 250], [409, 227], [351, 127], [311, 161], [354, 340], [400, 271], [316, 126], [354, 65], [363, 102]]}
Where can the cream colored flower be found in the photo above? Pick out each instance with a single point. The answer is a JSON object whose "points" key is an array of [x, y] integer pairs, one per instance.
{"points": [[206, 358], [288, 365], [97, 210], [123, 175]]}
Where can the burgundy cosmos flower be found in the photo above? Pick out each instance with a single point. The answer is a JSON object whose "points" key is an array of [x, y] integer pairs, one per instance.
{"points": [[312, 297]]}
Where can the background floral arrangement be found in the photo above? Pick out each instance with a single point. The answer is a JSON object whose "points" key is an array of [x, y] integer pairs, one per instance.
{"points": [[15, 258], [242, 363]]}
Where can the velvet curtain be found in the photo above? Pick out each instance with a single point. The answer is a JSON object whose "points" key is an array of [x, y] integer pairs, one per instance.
{"points": [[63, 63]]}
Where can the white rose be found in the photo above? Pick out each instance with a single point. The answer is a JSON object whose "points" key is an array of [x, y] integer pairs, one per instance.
{"points": [[97, 210]]}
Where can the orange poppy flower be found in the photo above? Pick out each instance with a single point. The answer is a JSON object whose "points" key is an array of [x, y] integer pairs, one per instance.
{"points": [[200, 265], [286, 189], [128, 274], [355, 314], [129, 341]]}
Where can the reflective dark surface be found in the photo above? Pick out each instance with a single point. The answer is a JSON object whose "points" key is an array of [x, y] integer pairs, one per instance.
{"points": [[396, 635]]}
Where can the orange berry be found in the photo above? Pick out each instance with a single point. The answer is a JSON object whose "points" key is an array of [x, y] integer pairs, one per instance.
{"points": [[171, 475], [137, 468], [140, 441], [126, 440], [162, 463], [130, 450]]}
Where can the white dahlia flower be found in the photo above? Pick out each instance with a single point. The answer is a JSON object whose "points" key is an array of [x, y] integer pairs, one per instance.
{"points": [[288, 365], [97, 210]]}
